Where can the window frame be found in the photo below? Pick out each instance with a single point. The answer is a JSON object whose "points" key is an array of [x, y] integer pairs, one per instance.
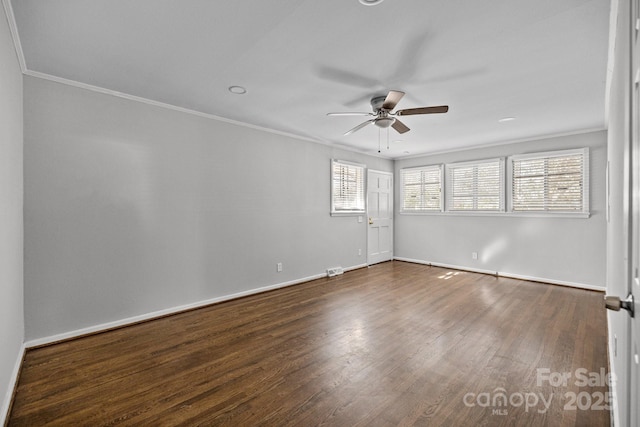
{"points": [[449, 183], [362, 190], [584, 212], [403, 171]]}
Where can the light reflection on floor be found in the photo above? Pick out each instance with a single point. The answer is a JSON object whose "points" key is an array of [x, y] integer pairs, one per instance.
{"points": [[449, 275]]}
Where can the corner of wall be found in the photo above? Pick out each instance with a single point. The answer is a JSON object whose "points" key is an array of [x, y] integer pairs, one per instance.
{"points": [[11, 204]]}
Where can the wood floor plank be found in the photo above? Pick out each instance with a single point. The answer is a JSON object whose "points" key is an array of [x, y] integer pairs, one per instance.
{"points": [[393, 344]]}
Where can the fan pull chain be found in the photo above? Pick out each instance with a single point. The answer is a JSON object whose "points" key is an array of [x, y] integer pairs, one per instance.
{"points": [[379, 130], [387, 138]]}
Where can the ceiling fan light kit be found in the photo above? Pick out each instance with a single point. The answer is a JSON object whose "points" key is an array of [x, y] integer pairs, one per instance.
{"points": [[384, 122], [370, 2]]}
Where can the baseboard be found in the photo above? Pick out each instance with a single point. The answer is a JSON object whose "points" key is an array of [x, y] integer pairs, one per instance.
{"points": [[443, 265], [355, 267], [506, 274], [553, 281], [11, 388], [177, 309], [38, 342]]}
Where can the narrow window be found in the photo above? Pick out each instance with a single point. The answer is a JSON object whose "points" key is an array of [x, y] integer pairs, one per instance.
{"points": [[347, 188]]}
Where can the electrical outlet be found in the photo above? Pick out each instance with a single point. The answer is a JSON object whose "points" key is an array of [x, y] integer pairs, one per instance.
{"points": [[474, 255], [359, 252], [279, 267]]}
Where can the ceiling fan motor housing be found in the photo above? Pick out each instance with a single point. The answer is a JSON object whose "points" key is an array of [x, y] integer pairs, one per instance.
{"points": [[376, 102]]}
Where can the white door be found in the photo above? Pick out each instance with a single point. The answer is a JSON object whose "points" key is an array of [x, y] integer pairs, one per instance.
{"points": [[634, 228], [380, 215], [628, 305], [631, 302]]}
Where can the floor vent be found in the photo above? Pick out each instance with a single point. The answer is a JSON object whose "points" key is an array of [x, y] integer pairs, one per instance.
{"points": [[334, 271]]}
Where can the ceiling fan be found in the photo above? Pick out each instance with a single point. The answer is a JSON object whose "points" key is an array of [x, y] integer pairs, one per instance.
{"points": [[383, 117]]}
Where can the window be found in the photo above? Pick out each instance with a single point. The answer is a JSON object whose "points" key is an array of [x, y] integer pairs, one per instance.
{"points": [[421, 189], [347, 188], [476, 186], [550, 182]]}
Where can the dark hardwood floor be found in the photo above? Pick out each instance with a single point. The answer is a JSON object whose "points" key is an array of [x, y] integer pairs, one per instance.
{"points": [[394, 344]]}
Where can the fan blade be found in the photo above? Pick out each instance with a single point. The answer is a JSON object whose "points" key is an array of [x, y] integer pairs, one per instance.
{"points": [[423, 110], [360, 126], [393, 97], [350, 114], [400, 127]]}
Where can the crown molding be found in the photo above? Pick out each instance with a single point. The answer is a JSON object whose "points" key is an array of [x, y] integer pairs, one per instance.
{"points": [[506, 142], [134, 98], [11, 20], [159, 104]]}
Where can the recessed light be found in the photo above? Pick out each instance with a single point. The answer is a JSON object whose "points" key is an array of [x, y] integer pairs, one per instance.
{"points": [[506, 119], [370, 2], [238, 90]]}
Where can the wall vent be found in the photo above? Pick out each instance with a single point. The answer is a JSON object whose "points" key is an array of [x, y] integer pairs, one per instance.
{"points": [[334, 271]]}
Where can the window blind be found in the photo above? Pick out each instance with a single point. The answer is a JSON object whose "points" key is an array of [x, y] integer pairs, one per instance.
{"points": [[347, 187], [476, 186], [550, 182], [421, 189]]}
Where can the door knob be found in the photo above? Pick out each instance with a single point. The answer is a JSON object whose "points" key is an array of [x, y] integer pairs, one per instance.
{"points": [[370, 220], [615, 303]]}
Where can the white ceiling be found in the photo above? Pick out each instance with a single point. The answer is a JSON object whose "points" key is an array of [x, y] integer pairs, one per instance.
{"points": [[541, 61]]}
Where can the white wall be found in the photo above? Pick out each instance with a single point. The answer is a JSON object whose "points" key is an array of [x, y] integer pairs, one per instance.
{"points": [[11, 238], [565, 250], [131, 209]]}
